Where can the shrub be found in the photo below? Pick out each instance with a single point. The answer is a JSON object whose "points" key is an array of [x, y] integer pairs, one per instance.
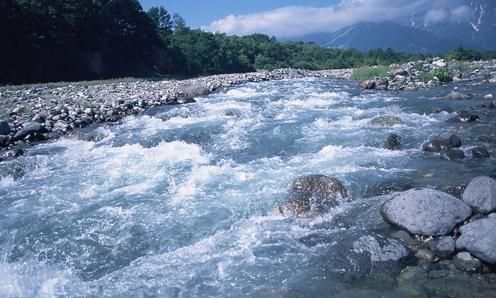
{"points": [[426, 76], [369, 72], [443, 74]]}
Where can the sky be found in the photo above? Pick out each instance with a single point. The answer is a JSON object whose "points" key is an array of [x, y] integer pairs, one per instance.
{"points": [[289, 18]]}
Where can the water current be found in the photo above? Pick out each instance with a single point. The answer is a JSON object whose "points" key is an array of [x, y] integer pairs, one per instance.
{"points": [[182, 201]]}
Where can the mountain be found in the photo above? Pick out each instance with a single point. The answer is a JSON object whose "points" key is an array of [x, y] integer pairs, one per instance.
{"points": [[473, 22], [369, 36]]}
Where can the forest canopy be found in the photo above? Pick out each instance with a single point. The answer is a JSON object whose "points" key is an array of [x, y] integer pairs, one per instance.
{"points": [[54, 40]]}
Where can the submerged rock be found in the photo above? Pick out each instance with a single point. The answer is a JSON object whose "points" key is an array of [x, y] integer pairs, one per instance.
{"points": [[480, 194], [455, 95], [480, 152], [464, 117], [393, 142], [441, 144], [443, 247], [479, 238], [453, 154], [386, 121], [466, 262], [424, 211], [313, 192]]}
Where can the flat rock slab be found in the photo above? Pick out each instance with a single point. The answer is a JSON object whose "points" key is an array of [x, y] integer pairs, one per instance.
{"points": [[424, 211], [479, 238], [480, 194]]}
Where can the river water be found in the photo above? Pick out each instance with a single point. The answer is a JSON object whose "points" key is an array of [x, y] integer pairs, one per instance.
{"points": [[182, 202]]}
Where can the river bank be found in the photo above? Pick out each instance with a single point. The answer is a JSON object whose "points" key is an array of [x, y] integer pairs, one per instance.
{"points": [[32, 114]]}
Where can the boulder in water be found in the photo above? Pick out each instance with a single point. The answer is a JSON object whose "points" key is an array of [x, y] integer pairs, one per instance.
{"points": [[443, 247], [386, 121], [479, 238], [480, 194], [424, 211], [464, 117], [393, 142], [368, 84], [441, 144], [456, 95], [313, 192], [480, 152], [453, 154], [466, 262]]}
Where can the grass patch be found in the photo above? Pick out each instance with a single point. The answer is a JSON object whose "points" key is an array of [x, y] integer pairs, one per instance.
{"points": [[443, 74], [369, 72], [426, 76]]}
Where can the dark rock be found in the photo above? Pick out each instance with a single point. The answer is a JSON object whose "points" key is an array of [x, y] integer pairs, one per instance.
{"points": [[368, 84], [404, 237], [436, 145], [443, 247], [453, 154], [466, 262], [454, 141], [382, 84], [424, 211], [16, 152], [480, 194], [313, 193], [480, 152], [388, 186], [464, 117], [29, 128], [479, 238], [393, 142], [4, 127], [4, 141], [455, 95], [386, 121]]}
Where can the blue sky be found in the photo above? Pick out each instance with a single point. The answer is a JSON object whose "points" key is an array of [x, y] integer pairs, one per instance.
{"points": [[199, 13], [290, 18]]}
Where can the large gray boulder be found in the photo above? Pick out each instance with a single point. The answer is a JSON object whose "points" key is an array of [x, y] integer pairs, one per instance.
{"points": [[313, 193], [479, 238], [425, 211], [480, 194], [29, 128]]}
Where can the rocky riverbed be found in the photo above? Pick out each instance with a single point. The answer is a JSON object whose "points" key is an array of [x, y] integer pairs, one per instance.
{"points": [[33, 114]]}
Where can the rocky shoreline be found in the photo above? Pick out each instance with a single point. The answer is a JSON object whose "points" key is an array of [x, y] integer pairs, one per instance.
{"points": [[432, 73], [33, 114]]}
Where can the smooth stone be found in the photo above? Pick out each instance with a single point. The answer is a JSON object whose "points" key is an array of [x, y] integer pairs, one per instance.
{"points": [[29, 128], [313, 193], [393, 142], [466, 262], [456, 95], [480, 194], [424, 211], [479, 238], [480, 152], [443, 247], [4, 127], [386, 121], [368, 84], [425, 254]]}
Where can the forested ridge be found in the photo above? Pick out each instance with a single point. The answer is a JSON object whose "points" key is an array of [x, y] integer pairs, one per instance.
{"points": [[54, 40]]}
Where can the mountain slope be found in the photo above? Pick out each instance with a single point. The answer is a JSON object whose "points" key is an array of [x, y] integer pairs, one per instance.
{"points": [[369, 36]]}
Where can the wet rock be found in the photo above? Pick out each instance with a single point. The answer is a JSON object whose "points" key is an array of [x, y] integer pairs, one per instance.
{"points": [[368, 84], [423, 211], [480, 194], [454, 141], [480, 152], [4, 127], [313, 193], [464, 117], [40, 117], [466, 262], [358, 254], [29, 128], [443, 247], [453, 154], [16, 152], [425, 255], [455, 95], [4, 141], [386, 121], [436, 145], [404, 237], [393, 142], [479, 238], [388, 186], [382, 84]]}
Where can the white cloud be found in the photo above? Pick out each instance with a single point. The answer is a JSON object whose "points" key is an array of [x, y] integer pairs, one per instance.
{"points": [[461, 13], [299, 20]]}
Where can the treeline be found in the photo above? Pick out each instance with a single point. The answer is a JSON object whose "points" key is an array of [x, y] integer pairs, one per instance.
{"points": [[462, 54], [54, 40]]}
